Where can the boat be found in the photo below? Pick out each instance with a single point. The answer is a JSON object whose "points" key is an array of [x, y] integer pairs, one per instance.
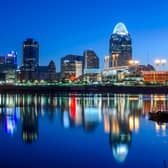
{"points": [[159, 116]]}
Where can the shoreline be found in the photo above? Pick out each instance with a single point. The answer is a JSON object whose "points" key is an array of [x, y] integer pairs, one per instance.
{"points": [[157, 89]]}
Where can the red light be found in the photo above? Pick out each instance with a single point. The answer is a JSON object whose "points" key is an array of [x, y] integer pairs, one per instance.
{"points": [[73, 108]]}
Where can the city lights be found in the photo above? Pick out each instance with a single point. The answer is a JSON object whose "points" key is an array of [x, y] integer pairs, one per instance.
{"points": [[160, 63], [83, 84], [133, 62], [120, 68]]}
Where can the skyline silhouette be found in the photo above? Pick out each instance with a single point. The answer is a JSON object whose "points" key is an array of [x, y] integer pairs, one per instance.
{"points": [[70, 27]]}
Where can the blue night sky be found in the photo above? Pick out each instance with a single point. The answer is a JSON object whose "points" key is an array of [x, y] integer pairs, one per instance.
{"points": [[70, 26]]}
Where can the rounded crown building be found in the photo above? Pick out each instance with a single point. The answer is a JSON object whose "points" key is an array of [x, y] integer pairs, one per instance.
{"points": [[120, 49]]}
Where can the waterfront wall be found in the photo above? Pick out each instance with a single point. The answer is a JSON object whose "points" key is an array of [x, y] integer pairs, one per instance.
{"points": [[85, 89]]}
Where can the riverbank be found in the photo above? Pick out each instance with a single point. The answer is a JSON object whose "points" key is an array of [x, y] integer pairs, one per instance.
{"points": [[151, 89]]}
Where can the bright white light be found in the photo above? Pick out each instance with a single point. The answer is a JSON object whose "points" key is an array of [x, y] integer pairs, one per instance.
{"points": [[163, 61], [66, 121], [160, 61], [121, 29], [157, 62], [120, 152], [10, 125], [136, 62], [133, 62]]}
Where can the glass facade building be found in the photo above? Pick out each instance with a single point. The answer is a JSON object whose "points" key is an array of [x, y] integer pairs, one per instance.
{"points": [[91, 66], [120, 50], [11, 58], [71, 67], [30, 55], [30, 61], [91, 60]]}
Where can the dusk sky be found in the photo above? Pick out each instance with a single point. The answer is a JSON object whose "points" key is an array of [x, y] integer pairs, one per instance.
{"points": [[71, 26]]}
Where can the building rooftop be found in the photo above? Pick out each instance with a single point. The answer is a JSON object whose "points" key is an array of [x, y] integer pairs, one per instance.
{"points": [[120, 29]]}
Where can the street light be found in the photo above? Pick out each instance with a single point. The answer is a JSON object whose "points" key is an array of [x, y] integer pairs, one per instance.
{"points": [[163, 61], [159, 62], [133, 62], [135, 65], [130, 62], [136, 62]]}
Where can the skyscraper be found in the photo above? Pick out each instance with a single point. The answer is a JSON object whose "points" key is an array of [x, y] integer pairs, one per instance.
{"points": [[11, 58], [91, 66], [91, 60], [52, 71], [71, 67], [30, 60], [120, 49], [8, 67]]}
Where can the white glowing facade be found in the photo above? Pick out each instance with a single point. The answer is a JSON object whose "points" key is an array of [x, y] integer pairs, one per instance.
{"points": [[120, 29]]}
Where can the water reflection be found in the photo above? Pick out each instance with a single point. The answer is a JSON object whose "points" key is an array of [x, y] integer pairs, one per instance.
{"points": [[29, 124], [120, 115]]}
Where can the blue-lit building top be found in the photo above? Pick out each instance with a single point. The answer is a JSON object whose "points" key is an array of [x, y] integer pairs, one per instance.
{"points": [[120, 50], [11, 58]]}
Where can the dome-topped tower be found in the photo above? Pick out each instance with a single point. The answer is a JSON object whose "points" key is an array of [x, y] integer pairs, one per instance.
{"points": [[120, 29], [120, 50]]}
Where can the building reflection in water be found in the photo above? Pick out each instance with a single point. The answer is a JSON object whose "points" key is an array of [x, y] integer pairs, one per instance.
{"points": [[29, 124], [120, 115], [91, 113], [81, 111]]}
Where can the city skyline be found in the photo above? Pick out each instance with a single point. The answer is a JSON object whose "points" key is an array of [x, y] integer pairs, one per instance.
{"points": [[72, 27]]}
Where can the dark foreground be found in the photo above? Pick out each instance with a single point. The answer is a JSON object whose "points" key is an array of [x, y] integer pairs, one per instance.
{"points": [[84, 89]]}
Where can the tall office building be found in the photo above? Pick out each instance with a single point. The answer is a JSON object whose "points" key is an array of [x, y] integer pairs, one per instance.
{"points": [[71, 67], [91, 60], [30, 60], [120, 49], [91, 66], [11, 58], [8, 67], [52, 71], [30, 54]]}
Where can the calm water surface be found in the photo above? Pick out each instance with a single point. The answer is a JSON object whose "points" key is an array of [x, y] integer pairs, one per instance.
{"points": [[111, 131]]}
